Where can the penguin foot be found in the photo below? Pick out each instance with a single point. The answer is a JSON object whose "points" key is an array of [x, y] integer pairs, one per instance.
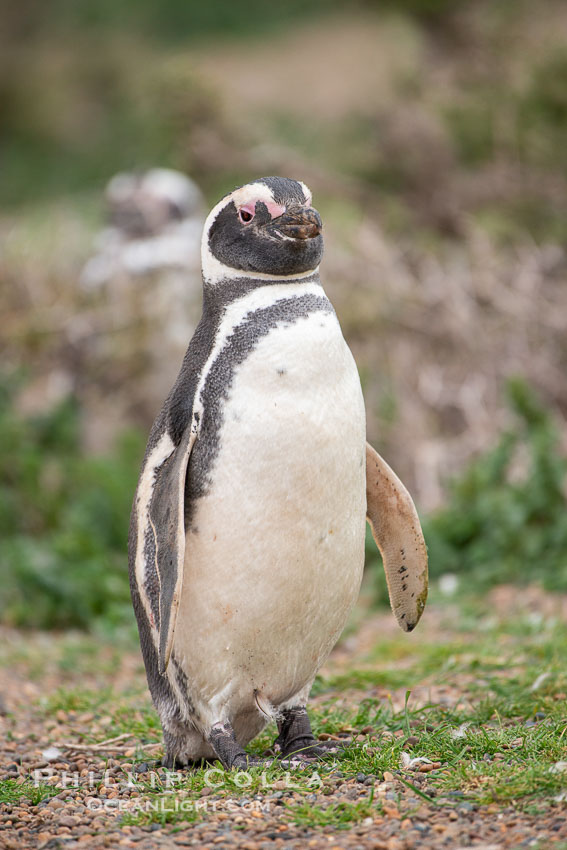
{"points": [[296, 738], [231, 755], [311, 748], [228, 750]]}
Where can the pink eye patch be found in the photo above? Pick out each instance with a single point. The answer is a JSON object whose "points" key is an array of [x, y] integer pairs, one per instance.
{"points": [[247, 211], [274, 209]]}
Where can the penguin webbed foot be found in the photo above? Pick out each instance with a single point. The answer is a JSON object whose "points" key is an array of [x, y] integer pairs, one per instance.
{"points": [[311, 748], [232, 756], [297, 739]]}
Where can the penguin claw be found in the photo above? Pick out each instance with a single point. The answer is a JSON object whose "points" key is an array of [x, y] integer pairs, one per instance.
{"points": [[314, 752], [312, 749], [245, 762]]}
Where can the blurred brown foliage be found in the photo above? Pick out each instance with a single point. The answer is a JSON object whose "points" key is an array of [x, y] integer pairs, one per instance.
{"points": [[432, 135]]}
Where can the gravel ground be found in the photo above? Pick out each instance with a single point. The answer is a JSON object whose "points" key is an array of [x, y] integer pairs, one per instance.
{"points": [[90, 816], [91, 795]]}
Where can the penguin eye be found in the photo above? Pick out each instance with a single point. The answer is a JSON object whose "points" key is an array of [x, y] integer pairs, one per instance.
{"points": [[246, 213]]}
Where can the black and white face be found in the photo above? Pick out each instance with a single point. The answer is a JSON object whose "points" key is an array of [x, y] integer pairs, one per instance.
{"points": [[264, 229]]}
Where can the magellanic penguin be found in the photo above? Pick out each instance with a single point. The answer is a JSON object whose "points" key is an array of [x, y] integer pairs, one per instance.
{"points": [[248, 525]]}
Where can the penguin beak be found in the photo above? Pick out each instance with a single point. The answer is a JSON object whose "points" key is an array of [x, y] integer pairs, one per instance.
{"points": [[299, 223]]}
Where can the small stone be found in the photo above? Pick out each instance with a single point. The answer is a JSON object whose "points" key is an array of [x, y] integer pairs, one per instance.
{"points": [[422, 827], [427, 768], [361, 777], [68, 820], [390, 809], [388, 777]]}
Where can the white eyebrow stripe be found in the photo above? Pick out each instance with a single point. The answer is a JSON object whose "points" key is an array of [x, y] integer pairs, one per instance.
{"points": [[213, 270], [252, 192], [306, 192]]}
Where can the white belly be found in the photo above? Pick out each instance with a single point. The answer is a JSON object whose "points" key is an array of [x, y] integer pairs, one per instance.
{"points": [[274, 561]]}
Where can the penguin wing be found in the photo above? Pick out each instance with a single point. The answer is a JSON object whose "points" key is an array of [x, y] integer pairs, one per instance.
{"points": [[161, 534], [397, 532]]}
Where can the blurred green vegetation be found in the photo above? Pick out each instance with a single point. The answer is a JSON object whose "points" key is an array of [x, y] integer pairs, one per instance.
{"points": [[190, 20], [63, 521], [88, 89], [505, 520]]}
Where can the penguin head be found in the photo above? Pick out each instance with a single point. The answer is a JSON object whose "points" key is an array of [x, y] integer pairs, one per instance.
{"points": [[265, 229]]}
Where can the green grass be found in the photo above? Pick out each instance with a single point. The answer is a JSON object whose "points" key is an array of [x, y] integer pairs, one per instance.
{"points": [[498, 737], [12, 792], [336, 815], [486, 749]]}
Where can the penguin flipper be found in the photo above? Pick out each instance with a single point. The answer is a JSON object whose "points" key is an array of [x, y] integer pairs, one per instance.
{"points": [[397, 532], [161, 531]]}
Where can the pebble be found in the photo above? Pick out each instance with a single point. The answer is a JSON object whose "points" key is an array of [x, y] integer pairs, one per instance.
{"points": [[68, 820]]}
